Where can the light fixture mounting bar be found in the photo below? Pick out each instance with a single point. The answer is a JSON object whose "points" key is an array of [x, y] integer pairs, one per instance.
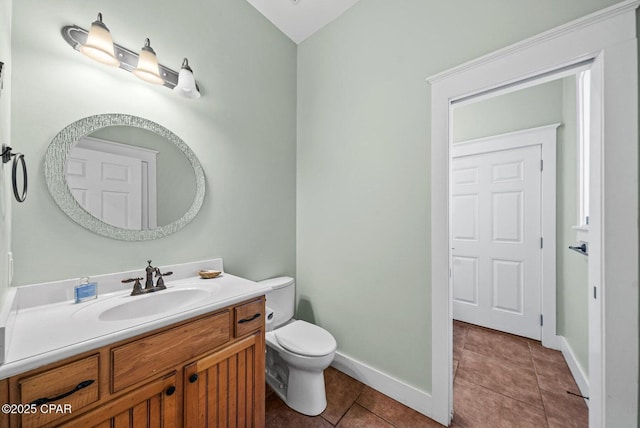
{"points": [[76, 36]]}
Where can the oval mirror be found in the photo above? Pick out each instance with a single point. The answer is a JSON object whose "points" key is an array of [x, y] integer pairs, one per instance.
{"points": [[124, 177]]}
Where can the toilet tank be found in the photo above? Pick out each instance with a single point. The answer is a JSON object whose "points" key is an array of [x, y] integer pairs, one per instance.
{"points": [[281, 299]]}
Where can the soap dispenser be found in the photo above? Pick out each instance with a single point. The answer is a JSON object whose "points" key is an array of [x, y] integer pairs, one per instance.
{"points": [[85, 290]]}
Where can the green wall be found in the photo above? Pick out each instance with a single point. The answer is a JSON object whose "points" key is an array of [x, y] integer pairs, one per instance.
{"points": [[545, 104], [6, 192], [363, 180], [242, 130]]}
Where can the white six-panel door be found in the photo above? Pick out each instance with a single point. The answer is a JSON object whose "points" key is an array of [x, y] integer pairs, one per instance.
{"points": [[108, 186], [496, 240]]}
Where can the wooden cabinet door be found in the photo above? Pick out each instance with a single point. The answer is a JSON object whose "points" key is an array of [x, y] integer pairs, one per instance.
{"points": [[226, 389], [4, 399], [152, 405]]}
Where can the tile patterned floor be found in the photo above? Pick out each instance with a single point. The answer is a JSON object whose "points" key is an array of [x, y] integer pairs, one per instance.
{"points": [[500, 380], [350, 404]]}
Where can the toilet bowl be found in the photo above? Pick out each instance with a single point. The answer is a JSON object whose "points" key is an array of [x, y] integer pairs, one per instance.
{"points": [[298, 352]]}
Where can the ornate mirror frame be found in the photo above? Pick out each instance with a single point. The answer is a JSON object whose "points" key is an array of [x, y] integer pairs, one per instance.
{"points": [[54, 170]]}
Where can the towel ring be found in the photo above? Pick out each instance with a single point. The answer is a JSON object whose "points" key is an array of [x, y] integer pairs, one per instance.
{"points": [[20, 197], [17, 158]]}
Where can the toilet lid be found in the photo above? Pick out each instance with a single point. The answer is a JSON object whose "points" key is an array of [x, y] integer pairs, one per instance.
{"points": [[303, 338]]}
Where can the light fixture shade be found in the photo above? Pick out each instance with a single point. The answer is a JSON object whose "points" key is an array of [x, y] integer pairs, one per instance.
{"points": [[99, 45], [147, 68], [186, 82]]}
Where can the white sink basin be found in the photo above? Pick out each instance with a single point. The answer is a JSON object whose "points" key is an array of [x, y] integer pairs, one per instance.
{"points": [[153, 304], [122, 308]]}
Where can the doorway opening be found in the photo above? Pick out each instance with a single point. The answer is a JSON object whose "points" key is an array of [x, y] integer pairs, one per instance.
{"points": [[513, 262], [607, 41], [513, 215]]}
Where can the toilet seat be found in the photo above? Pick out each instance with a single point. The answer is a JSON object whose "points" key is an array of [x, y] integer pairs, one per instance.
{"points": [[303, 338]]}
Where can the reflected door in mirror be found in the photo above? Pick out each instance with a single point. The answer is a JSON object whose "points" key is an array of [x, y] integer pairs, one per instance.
{"points": [[114, 183]]}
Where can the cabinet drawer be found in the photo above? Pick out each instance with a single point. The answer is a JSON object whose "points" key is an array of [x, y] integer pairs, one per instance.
{"points": [[248, 317], [74, 384], [146, 357]]}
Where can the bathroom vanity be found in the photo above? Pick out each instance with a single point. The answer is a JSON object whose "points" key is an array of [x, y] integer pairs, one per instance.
{"points": [[200, 366]]}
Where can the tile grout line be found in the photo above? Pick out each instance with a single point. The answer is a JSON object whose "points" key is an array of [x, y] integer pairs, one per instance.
{"points": [[535, 370], [373, 413], [464, 343], [507, 396], [349, 408], [502, 334]]}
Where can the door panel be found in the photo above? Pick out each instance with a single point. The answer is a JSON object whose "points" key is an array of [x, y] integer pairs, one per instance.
{"points": [[508, 286], [495, 235], [508, 219], [465, 217], [465, 286]]}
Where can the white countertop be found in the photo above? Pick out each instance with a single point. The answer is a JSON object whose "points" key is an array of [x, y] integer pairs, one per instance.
{"points": [[48, 332]]}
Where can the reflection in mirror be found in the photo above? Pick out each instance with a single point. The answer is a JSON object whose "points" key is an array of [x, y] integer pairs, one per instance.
{"points": [[130, 177], [124, 177]]}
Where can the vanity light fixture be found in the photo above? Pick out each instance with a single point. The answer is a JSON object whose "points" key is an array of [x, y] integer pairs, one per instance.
{"points": [[147, 68], [97, 44], [187, 86]]}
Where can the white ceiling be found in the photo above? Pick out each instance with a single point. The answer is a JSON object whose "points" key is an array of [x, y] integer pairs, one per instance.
{"points": [[299, 19]]}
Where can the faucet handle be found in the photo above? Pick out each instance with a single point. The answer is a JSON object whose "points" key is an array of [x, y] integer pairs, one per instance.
{"points": [[158, 273], [137, 287], [160, 283]]}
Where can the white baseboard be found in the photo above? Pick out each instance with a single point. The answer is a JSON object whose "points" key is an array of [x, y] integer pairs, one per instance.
{"points": [[578, 373], [553, 341], [408, 395]]}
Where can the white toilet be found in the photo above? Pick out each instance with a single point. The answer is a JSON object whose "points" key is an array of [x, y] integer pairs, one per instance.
{"points": [[297, 351]]}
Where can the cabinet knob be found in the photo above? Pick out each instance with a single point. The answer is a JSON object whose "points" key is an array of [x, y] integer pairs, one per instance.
{"points": [[170, 390], [193, 378]]}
